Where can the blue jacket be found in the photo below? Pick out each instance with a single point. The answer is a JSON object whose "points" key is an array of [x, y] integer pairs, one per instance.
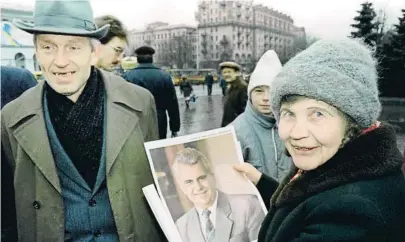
{"points": [[14, 82], [261, 145], [160, 84]]}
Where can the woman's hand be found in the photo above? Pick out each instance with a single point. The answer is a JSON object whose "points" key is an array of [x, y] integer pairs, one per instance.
{"points": [[250, 171]]}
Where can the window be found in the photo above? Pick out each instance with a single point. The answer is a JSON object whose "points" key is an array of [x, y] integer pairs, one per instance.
{"points": [[216, 38]]}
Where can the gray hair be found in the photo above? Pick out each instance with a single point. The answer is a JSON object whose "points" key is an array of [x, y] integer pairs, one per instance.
{"points": [[191, 156]]}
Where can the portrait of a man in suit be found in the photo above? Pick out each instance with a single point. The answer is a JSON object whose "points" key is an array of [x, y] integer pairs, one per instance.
{"points": [[216, 216]]}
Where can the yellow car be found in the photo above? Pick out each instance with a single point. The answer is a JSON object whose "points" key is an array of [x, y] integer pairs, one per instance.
{"points": [[38, 76]]}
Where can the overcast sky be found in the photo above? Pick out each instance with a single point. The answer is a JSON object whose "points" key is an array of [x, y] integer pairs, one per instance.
{"points": [[322, 18]]}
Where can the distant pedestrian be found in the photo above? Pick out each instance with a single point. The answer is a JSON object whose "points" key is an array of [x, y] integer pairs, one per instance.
{"points": [[186, 88], [209, 81], [236, 95], [160, 84], [222, 84]]}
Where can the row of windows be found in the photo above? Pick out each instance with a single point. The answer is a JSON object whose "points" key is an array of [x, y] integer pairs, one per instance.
{"points": [[161, 36]]}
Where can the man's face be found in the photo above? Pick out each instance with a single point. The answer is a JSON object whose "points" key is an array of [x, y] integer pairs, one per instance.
{"points": [[229, 74], [111, 54], [65, 61], [197, 184]]}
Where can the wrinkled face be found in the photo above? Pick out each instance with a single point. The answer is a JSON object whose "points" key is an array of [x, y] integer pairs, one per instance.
{"points": [[65, 61], [230, 74], [197, 184], [111, 54], [312, 131], [260, 99]]}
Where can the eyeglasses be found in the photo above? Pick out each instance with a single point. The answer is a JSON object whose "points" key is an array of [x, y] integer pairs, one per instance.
{"points": [[118, 51]]}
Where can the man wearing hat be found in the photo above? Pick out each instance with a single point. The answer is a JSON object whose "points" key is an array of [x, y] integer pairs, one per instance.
{"points": [[75, 142], [236, 96], [160, 84]]}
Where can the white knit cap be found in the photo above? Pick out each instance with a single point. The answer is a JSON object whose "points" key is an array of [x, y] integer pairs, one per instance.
{"points": [[267, 68]]}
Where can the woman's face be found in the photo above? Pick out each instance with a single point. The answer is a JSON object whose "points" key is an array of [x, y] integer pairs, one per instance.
{"points": [[312, 131]]}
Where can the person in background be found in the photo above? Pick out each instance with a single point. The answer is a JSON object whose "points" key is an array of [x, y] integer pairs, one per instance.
{"points": [[160, 84], [186, 88], [346, 183], [74, 142], [209, 81], [222, 84], [236, 95], [14, 82], [113, 44], [256, 128]]}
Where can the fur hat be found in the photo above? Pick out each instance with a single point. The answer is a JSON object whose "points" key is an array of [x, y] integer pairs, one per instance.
{"points": [[342, 73], [267, 68]]}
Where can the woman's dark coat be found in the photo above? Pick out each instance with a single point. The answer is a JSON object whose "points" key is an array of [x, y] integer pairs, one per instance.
{"points": [[186, 88], [358, 195], [235, 102]]}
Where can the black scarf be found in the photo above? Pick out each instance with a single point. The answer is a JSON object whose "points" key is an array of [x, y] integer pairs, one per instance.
{"points": [[79, 126]]}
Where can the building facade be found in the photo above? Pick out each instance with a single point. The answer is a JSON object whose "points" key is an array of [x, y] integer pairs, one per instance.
{"points": [[175, 45], [17, 46], [242, 31]]}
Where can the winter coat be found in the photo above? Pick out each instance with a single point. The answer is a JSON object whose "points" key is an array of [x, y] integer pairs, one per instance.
{"points": [[14, 82], [261, 144], [358, 195], [209, 80], [160, 84], [130, 121], [186, 88], [235, 102]]}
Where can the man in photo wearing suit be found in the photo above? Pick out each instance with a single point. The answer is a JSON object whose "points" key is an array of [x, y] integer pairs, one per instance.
{"points": [[216, 216]]}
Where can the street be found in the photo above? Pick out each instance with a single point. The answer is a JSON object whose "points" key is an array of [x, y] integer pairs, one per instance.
{"points": [[206, 113]]}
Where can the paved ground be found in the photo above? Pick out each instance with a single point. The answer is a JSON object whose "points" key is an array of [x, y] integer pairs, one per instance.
{"points": [[206, 113]]}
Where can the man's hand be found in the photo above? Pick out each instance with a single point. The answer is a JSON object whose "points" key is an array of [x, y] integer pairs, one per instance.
{"points": [[250, 171]]}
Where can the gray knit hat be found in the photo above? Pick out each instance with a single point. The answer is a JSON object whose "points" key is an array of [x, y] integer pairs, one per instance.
{"points": [[341, 73]]}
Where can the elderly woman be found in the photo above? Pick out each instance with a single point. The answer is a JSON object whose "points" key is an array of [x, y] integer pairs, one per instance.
{"points": [[346, 182]]}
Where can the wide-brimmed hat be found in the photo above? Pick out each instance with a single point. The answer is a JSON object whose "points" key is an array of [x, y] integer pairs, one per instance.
{"points": [[230, 64], [63, 17]]}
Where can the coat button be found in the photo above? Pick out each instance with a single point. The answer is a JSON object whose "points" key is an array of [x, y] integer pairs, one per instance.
{"points": [[36, 205], [97, 233], [92, 203]]}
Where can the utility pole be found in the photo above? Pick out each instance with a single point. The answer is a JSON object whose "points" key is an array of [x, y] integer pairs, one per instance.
{"points": [[198, 49]]}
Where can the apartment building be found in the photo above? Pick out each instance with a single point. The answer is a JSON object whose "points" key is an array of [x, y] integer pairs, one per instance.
{"points": [[175, 45], [227, 30], [242, 31]]}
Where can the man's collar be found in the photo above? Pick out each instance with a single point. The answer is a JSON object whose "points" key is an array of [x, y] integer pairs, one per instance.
{"points": [[211, 208]]}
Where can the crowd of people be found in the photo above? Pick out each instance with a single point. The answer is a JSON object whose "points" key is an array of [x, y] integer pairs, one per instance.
{"points": [[74, 164]]}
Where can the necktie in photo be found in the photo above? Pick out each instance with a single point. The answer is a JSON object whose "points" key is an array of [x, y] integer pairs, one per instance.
{"points": [[209, 227]]}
